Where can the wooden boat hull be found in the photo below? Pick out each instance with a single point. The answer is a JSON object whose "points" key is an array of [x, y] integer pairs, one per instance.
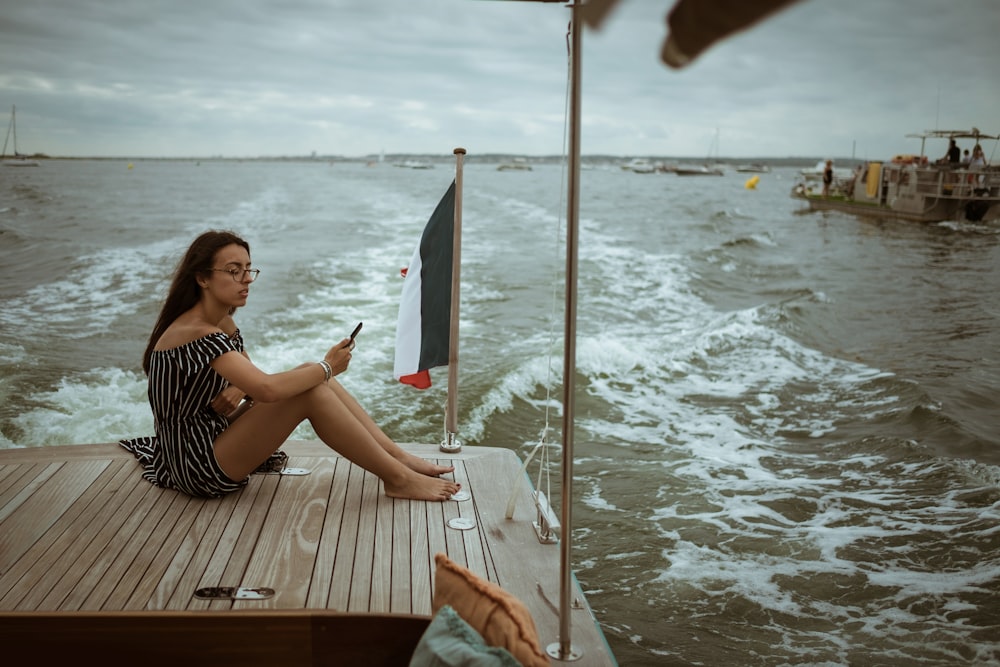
{"points": [[910, 193], [839, 203], [247, 638]]}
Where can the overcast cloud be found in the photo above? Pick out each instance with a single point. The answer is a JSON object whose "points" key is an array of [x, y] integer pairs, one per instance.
{"points": [[237, 78]]}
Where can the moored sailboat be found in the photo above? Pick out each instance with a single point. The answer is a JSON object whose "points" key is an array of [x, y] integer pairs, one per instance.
{"points": [[711, 167], [17, 160], [699, 170], [754, 168]]}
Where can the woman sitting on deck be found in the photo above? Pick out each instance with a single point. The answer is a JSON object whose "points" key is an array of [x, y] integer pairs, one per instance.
{"points": [[199, 373]]}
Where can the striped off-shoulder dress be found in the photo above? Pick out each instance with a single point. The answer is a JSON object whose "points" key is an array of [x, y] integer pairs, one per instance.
{"points": [[182, 385]]}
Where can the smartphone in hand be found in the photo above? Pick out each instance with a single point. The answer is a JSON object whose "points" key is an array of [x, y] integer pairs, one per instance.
{"points": [[350, 342]]}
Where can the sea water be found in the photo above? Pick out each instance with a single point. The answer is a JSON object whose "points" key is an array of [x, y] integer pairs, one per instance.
{"points": [[787, 447]]}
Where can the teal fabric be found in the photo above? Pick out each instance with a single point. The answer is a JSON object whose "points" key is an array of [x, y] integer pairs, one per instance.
{"points": [[451, 642]]}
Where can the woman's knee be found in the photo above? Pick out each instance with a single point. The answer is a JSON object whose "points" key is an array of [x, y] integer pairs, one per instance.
{"points": [[317, 398]]}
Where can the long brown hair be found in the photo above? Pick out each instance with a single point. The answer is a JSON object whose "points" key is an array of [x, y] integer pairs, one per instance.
{"points": [[184, 288]]}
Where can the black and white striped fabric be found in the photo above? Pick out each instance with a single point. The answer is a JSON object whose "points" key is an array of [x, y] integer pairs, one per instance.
{"points": [[182, 385]]}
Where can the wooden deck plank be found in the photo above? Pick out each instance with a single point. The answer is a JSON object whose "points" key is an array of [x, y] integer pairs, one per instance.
{"points": [[326, 555], [40, 568], [382, 565], [117, 553], [8, 475], [150, 569], [44, 498], [65, 453], [453, 539], [89, 557], [114, 592], [364, 553], [174, 558], [287, 546], [220, 564], [185, 577], [437, 540], [467, 547], [237, 554], [19, 556], [17, 476], [473, 540], [342, 576], [420, 558], [400, 582]]}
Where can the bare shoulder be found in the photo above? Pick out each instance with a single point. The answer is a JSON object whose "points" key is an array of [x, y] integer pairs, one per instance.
{"points": [[180, 333]]}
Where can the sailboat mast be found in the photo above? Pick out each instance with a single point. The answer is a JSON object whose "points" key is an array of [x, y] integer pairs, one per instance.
{"points": [[10, 126], [563, 650]]}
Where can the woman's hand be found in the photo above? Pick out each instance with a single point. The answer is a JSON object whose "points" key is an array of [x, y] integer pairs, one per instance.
{"points": [[339, 356], [227, 400]]}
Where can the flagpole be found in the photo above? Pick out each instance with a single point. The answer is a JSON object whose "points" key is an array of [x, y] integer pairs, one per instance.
{"points": [[564, 649], [451, 442]]}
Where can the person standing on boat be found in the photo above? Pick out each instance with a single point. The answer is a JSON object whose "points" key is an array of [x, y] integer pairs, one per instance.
{"points": [[827, 177], [954, 154], [199, 373], [977, 163], [978, 159]]}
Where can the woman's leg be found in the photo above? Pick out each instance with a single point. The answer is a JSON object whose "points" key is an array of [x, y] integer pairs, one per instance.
{"points": [[415, 462], [262, 430]]}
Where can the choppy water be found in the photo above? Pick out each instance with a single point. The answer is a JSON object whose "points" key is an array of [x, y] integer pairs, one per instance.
{"points": [[787, 445]]}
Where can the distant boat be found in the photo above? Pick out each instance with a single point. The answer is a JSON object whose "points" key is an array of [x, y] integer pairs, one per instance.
{"points": [[415, 164], [517, 164], [640, 165], [699, 170], [910, 187], [754, 168], [711, 166], [17, 160]]}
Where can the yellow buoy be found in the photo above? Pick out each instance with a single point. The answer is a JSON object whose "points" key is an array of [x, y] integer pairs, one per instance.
{"points": [[752, 182], [129, 165]]}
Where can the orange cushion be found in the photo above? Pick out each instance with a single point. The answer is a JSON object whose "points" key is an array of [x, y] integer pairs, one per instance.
{"points": [[498, 616]]}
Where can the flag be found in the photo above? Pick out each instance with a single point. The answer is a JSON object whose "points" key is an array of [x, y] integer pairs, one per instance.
{"points": [[422, 331]]}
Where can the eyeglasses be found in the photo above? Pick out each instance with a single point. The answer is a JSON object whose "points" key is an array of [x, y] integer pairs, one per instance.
{"points": [[239, 275]]}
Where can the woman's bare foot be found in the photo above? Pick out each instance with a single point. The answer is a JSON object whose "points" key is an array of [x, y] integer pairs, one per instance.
{"points": [[423, 466], [421, 487]]}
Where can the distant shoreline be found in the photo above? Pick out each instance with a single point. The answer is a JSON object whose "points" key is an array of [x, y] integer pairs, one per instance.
{"points": [[488, 158]]}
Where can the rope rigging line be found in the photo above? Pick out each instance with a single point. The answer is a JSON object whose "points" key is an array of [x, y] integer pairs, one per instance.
{"points": [[543, 445]]}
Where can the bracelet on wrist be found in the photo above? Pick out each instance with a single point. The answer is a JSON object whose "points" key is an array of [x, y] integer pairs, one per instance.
{"points": [[327, 370]]}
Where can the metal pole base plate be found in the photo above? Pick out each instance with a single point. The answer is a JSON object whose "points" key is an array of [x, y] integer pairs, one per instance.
{"points": [[555, 651]]}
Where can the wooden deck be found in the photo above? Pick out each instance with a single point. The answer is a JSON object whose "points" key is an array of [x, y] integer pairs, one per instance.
{"points": [[84, 537]]}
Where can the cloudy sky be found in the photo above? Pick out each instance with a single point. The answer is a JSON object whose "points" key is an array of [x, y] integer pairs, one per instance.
{"points": [[135, 78]]}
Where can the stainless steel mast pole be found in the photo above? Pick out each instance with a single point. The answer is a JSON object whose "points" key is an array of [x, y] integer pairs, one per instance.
{"points": [[564, 649]]}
